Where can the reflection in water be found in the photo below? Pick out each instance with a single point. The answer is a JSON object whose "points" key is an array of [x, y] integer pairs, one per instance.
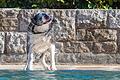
{"points": [[59, 75]]}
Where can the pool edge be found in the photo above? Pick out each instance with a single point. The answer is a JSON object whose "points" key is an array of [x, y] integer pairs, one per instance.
{"points": [[65, 67]]}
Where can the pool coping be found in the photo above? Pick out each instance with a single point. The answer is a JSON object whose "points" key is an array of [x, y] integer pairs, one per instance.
{"points": [[64, 67]]}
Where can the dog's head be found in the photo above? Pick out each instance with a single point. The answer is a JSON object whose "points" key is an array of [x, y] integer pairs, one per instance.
{"points": [[42, 18]]}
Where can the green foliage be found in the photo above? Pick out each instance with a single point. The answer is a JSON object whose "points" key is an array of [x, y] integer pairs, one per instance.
{"points": [[99, 4], [64, 4], [103, 4]]}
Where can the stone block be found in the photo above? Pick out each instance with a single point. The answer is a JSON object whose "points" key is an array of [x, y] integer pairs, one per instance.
{"points": [[9, 13], [2, 42], [101, 35], [8, 19], [59, 47], [113, 18], [8, 24], [75, 58], [87, 58], [64, 24], [101, 58], [67, 58], [85, 47], [2, 15], [117, 57], [91, 18], [105, 58], [13, 58], [78, 47], [16, 42], [118, 40], [70, 47], [80, 34], [105, 47]]}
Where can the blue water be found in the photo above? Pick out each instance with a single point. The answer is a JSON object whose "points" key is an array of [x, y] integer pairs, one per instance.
{"points": [[60, 75]]}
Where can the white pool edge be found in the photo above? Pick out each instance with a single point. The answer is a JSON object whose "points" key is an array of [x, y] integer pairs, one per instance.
{"points": [[65, 67]]}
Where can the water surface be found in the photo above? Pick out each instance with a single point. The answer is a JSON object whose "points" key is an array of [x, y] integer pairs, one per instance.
{"points": [[60, 75]]}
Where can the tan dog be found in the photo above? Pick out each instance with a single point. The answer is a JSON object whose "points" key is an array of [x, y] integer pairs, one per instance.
{"points": [[40, 40]]}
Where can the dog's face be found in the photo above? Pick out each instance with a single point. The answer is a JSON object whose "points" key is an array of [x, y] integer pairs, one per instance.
{"points": [[41, 18]]}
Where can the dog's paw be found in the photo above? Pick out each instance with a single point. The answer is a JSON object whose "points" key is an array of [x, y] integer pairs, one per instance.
{"points": [[28, 68], [53, 68]]}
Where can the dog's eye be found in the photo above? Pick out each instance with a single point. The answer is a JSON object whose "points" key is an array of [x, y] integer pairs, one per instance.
{"points": [[46, 17], [40, 18]]}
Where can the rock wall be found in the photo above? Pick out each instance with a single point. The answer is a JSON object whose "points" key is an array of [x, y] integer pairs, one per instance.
{"points": [[82, 36]]}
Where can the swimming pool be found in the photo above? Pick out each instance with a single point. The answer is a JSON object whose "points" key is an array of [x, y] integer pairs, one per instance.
{"points": [[60, 75]]}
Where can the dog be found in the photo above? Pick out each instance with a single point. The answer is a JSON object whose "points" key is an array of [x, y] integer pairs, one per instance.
{"points": [[40, 40]]}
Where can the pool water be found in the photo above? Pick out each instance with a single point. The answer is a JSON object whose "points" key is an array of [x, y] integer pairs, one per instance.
{"points": [[60, 75]]}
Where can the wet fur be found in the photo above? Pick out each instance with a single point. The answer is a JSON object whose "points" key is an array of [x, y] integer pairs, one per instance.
{"points": [[45, 42]]}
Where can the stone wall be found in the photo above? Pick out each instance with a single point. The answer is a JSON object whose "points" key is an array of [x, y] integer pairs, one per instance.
{"points": [[82, 36]]}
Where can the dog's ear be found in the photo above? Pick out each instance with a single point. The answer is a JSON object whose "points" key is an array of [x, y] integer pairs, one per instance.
{"points": [[34, 19]]}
